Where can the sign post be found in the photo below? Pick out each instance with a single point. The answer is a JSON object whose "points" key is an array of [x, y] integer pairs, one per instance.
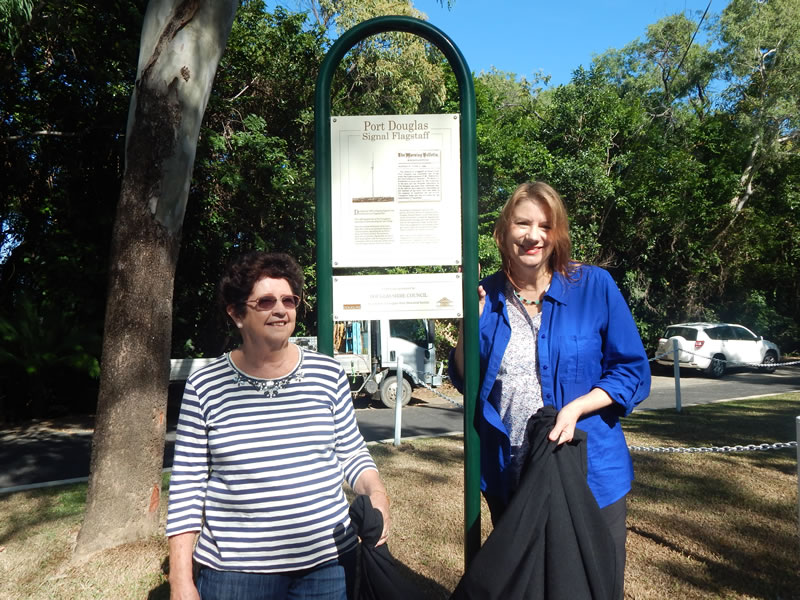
{"points": [[398, 401], [413, 174]]}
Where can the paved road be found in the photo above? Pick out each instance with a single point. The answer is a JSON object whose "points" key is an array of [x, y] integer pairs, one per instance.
{"points": [[696, 388], [39, 454]]}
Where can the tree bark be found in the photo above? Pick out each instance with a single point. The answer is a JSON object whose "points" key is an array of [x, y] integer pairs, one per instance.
{"points": [[182, 42], [746, 180]]}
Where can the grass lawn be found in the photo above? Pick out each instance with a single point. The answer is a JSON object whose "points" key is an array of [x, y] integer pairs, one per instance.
{"points": [[700, 526]]}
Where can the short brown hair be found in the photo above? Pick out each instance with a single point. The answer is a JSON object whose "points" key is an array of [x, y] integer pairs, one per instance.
{"points": [[244, 272], [538, 191]]}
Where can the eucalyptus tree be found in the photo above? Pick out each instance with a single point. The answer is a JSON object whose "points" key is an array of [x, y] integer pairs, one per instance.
{"points": [[181, 44], [761, 50], [669, 68]]}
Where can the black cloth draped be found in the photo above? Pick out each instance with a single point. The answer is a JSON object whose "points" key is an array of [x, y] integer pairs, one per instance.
{"points": [[380, 575], [552, 542]]}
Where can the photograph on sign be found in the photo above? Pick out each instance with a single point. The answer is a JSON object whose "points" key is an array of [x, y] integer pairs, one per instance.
{"points": [[415, 296], [395, 190]]}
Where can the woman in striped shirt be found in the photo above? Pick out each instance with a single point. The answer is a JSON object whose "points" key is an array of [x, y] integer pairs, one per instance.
{"points": [[266, 435]]}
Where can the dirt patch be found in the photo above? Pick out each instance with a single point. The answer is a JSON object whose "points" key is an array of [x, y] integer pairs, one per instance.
{"points": [[420, 396]]}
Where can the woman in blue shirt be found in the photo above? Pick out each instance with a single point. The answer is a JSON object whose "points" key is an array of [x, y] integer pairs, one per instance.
{"points": [[554, 332]]}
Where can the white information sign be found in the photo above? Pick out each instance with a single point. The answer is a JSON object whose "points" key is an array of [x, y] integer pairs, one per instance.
{"points": [[395, 190], [417, 296]]}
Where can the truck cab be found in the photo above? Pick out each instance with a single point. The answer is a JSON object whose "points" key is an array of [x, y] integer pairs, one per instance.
{"points": [[369, 350]]}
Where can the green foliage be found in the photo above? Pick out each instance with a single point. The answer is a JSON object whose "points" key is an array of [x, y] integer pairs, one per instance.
{"points": [[509, 147], [14, 14], [45, 357], [761, 62], [253, 179], [390, 73], [254, 174], [63, 99]]}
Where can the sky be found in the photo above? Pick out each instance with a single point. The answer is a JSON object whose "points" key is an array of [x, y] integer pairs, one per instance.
{"points": [[531, 36]]}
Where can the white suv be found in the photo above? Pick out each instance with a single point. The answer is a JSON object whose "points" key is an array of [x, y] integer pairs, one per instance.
{"points": [[711, 347]]}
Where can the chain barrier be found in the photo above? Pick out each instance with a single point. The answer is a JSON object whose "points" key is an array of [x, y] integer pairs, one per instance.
{"points": [[728, 363], [659, 449], [747, 448]]}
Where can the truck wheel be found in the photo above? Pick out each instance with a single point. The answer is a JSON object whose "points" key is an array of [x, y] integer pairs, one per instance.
{"points": [[389, 391]]}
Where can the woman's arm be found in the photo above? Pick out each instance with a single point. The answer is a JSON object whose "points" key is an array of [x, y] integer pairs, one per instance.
{"points": [[568, 416], [181, 584], [369, 483], [625, 366]]}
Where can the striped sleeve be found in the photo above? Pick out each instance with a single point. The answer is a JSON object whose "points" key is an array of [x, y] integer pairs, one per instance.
{"points": [[187, 486], [351, 450]]}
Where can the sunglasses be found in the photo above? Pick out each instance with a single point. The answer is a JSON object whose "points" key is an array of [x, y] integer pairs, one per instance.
{"points": [[266, 303]]}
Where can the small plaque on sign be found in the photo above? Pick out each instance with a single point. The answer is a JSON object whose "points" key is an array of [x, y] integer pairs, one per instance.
{"points": [[417, 296]]}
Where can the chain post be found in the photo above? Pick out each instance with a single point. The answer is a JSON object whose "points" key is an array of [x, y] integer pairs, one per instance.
{"points": [[676, 369]]}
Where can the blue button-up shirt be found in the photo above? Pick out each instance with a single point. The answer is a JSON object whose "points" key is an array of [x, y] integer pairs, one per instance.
{"points": [[587, 339]]}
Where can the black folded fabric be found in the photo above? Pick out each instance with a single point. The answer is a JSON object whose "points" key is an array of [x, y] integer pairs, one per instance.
{"points": [[552, 542], [380, 575]]}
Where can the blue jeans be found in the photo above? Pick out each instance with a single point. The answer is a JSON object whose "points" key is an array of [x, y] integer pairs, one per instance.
{"points": [[330, 580]]}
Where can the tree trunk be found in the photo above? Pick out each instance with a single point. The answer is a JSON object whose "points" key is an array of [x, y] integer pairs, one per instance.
{"points": [[746, 180], [182, 42]]}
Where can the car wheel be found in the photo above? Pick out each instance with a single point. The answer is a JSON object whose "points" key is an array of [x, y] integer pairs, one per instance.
{"points": [[716, 367], [389, 391], [770, 361], [658, 369]]}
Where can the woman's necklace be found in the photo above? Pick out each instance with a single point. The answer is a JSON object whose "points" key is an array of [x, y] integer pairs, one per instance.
{"points": [[530, 302], [525, 300], [269, 387]]}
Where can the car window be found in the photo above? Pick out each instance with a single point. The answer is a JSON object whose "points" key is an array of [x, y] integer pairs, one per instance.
{"points": [[685, 332], [723, 332], [728, 333], [742, 334]]}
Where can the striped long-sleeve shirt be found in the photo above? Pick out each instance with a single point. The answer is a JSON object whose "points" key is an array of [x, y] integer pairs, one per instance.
{"points": [[261, 477]]}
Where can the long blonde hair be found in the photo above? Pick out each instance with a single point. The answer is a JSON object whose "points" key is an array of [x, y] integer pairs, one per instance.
{"points": [[538, 191]]}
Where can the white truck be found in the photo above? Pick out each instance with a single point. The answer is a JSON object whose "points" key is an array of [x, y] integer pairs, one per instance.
{"points": [[368, 351]]}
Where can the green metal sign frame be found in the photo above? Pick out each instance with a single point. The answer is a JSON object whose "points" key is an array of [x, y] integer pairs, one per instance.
{"points": [[469, 231]]}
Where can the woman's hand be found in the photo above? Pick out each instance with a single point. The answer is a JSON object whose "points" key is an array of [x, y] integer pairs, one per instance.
{"points": [[380, 501], [183, 591], [481, 300], [370, 484], [566, 420]]}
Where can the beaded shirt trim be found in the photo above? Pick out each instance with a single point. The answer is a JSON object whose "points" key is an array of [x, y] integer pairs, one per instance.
{"points": [[269, 387]]}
